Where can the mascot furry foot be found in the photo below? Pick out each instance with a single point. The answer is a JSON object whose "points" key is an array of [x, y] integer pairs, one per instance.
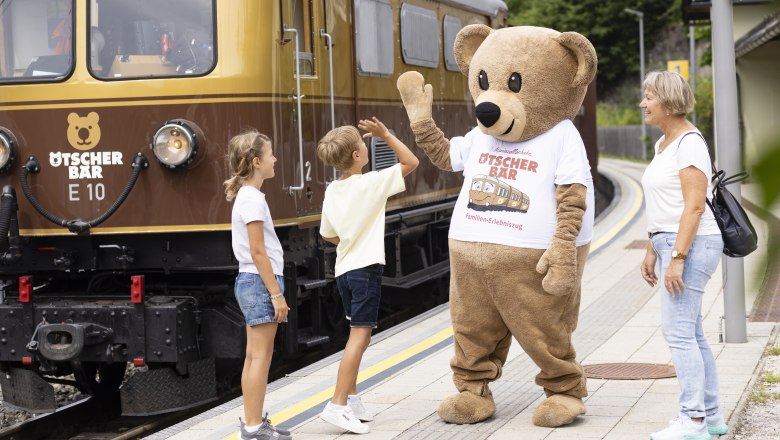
{"points": [[466, 407], [558, 410]]}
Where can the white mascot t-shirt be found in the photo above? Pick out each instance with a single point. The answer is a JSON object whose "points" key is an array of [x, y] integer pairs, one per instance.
{"points": [[508, 194]]}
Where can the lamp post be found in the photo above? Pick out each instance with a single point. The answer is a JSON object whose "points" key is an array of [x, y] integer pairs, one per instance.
{"points": [[641, 16]]}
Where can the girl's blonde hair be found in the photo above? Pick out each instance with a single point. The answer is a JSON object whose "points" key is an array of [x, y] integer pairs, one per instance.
{"points": [[336, 147], [672, 90], [242, 149]]}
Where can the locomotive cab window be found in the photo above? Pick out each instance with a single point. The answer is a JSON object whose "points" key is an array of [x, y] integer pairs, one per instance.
{"points": [[374, 39], [36, 40], [149, 38], [419, 36]]}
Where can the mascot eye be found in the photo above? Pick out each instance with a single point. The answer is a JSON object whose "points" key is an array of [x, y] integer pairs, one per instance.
{"points": [[515, 82], [483, 80]]}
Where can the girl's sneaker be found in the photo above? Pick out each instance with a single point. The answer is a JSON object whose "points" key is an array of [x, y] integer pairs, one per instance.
{"points": [[265, 432], [359, 409], [683, 428], [344, 418], [280, 431]]}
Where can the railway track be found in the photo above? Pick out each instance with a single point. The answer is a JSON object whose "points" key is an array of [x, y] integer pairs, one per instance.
{"points": [[95, 419]]}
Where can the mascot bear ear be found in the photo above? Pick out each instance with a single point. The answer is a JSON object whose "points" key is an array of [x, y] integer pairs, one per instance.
{"points": [[467, 42], [586, 57]]}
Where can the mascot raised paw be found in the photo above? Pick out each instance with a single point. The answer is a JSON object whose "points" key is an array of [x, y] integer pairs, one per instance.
{"points": [[523, 221]]}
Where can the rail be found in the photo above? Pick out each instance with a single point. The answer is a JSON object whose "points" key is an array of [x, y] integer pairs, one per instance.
{"points": [[297, 97], [329, 42]]}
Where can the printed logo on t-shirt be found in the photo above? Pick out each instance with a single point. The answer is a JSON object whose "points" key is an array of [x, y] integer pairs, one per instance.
{"points": [[490, 194]]}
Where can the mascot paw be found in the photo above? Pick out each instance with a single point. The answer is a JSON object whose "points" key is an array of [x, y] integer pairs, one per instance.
{"points": [[558, 410], [416, 95], [466, 407], [559, 262]]}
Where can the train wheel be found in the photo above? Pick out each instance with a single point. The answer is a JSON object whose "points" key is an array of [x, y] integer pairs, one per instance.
{"points": [[98, 379], [332, 314]]}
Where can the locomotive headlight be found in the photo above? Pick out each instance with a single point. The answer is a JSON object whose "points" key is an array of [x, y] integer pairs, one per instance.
{"points": [[7, 150], [176, 143]]}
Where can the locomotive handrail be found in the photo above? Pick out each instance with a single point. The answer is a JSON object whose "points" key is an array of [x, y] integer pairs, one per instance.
{"points": [[297, 98], [77, 225], [329, 42]]}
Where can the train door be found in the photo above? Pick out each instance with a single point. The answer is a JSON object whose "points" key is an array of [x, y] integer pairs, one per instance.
{"points": [[316, 46]]}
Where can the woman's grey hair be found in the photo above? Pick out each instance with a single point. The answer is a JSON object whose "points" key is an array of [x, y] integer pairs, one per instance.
{"points": [[672, 90]]}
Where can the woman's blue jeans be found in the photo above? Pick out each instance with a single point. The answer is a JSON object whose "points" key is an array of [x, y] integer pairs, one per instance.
{"points": [[681, 323]]}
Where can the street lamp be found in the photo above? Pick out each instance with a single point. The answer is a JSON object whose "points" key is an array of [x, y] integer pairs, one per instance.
{"points": [[641, 16]]}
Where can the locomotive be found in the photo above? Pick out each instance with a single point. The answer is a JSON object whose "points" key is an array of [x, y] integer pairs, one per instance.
{"points": [[115, 244]]}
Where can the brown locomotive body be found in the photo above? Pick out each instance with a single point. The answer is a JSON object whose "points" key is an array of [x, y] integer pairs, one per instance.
{"points": [[114, 117]]}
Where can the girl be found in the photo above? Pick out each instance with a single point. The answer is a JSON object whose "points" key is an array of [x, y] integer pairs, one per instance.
{"points": [[259, 284]]}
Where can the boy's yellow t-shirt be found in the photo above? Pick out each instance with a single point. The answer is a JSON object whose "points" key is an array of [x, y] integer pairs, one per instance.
{"points": [[354, 211]]}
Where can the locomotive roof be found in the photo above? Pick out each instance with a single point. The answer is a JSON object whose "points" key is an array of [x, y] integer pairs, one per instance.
{"points": [[488, 7]]}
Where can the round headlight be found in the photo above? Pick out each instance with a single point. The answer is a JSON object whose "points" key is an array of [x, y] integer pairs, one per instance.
{"points": [[7, 150], [176, 143]]}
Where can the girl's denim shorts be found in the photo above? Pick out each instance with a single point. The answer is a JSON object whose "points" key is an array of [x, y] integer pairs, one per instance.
{"points": [[253, 298]]}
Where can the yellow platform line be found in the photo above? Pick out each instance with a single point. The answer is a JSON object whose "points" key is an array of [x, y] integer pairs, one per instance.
{"points": [[635, 207], [292, 411]]}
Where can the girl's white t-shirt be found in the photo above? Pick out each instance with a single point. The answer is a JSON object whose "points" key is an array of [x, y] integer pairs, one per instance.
{"points": [[250, 206], [662, 187]]}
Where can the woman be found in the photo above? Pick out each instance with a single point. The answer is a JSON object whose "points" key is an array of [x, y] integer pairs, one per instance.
{"points": [[686, 241]]}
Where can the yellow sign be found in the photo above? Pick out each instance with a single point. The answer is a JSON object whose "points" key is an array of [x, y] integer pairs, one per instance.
{"points": [[679, 66]]}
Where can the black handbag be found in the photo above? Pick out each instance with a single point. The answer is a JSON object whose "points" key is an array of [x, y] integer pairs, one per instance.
{"points": [[739, 236]]}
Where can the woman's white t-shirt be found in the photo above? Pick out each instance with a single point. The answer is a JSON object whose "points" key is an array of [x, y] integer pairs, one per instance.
{"points": [[250, 206], [662, 187]]}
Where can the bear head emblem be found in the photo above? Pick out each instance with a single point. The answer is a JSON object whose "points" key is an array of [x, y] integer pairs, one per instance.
{"points": [[83, 131]]}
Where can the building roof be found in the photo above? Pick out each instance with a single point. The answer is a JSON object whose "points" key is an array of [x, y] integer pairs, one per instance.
{"points": [[697, 10], [764, 32]]}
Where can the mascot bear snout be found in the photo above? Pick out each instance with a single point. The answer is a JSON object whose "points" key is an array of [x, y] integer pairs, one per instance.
{"points": [[488, 113]]}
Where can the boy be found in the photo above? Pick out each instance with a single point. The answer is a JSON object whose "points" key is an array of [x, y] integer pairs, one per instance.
{"points": [[353, 218]]}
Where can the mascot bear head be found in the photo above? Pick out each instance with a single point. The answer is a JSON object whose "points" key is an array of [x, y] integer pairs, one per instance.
{"points": [[524, 80]]}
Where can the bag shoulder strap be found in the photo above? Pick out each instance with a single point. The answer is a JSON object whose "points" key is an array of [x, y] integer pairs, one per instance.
{"points": [[712, 162]]}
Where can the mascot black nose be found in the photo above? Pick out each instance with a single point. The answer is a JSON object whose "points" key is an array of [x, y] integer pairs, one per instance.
{"points": [[488, 113]]}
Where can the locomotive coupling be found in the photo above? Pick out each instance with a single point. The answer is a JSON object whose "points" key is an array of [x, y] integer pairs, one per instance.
{"points": [[63, 342]]}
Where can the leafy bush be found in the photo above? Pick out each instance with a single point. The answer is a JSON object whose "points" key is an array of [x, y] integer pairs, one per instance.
{"points": [[613, 114], [704, 105]]}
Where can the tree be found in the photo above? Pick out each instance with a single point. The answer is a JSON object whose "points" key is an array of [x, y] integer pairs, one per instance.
{"points": [[613, 32]]}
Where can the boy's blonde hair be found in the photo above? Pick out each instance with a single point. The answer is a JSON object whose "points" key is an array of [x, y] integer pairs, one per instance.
{"points": [[672, 90], [336, 147], [242, 148]]}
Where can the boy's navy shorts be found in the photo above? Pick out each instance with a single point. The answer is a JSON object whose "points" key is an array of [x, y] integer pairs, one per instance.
{"points": [[253, 298], [360, 291]]}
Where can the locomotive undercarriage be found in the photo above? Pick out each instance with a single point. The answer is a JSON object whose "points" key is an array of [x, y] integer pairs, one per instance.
{"points": [[85, 311]]}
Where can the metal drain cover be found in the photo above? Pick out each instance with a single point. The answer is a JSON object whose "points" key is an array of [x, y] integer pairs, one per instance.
{"points": [[629, 371]]}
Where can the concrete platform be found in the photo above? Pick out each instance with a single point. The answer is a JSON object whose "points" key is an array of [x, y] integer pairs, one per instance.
{"points": [[405, 373]]}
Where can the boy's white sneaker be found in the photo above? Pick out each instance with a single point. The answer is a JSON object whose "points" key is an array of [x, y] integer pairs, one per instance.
{"points": [[683, 428], [344, 418], [360, 411]]}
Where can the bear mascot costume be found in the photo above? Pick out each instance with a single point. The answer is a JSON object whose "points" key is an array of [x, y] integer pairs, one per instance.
{"points": [[523, 221]]}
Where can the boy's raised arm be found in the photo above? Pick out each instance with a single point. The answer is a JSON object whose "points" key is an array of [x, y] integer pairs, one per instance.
{"points": [[375, 127]]}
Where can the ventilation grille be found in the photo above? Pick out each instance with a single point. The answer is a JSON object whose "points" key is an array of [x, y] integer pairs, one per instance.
{"points": [[382, 156]]}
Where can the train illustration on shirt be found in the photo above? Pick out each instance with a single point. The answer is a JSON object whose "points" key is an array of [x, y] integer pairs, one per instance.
{"points": [[490, 194]]}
